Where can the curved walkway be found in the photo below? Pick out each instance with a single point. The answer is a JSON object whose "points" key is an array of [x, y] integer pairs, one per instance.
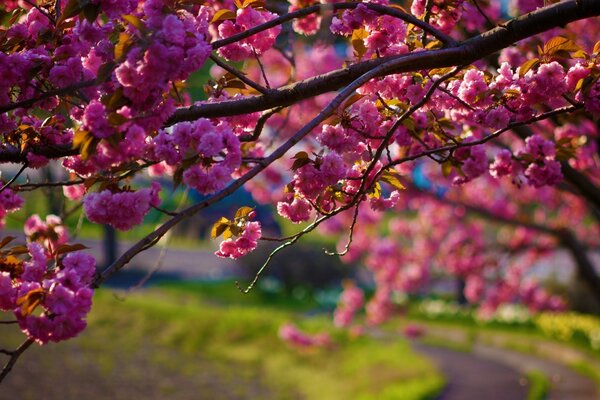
{"points": [[489, 373], [472, 377]]}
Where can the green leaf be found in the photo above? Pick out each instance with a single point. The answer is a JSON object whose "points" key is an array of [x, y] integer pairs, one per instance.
{"points": [[376, 191], [80, 137], [71, 9], [234, 84], [358, 43], [392, 178], [447, 168], [243, 212], [223, 15], [135, 22], [301, 159], [116, 119], [527, 65], [123, 45], [220, 227], [17, 250], [30, 301], [69, 248], [6, 241], [254, 4], [559, 43]]}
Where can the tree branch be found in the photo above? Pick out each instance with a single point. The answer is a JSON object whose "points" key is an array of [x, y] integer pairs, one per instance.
{"points": [[319, 8], [14, 356], [466, 52]]}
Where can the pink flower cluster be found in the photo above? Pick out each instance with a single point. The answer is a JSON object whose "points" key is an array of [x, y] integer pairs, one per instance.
{"points": [[543, 169], [309, 182], [350, 302], [444, 14], [290, 333], [122, 209], [178, 46], [246, 242], [308, 25], [474, 163], [380, 308], [9, 202], [62, 294], [51, 233], [385, 35], [216, 148], [254, 45]]}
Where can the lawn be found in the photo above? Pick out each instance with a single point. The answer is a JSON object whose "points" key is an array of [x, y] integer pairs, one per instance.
{"points": [[170, 341]]}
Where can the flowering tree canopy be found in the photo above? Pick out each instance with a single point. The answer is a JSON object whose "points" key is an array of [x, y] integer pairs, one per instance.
{"points": [[450, 114]]}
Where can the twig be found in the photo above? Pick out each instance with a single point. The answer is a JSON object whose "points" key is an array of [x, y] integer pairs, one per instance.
{"points": [[259, 88], [14, 178], [260, 125], [350, 235], [262, 68], [56, 92], [57, 7], [42, 11], [14, 356], [490, 23], [319, 8]]}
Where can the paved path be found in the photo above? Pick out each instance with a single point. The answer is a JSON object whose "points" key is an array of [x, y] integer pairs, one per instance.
{"points": [[547, 357], [472, 377], [566, 383]]}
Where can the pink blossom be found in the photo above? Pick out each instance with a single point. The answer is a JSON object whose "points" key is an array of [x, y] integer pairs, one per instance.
{"points": [[122, 210], [298, 210]]}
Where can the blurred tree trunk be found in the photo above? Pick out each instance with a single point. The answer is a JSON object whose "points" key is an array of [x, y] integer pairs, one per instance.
{"points": [[109, 245]]}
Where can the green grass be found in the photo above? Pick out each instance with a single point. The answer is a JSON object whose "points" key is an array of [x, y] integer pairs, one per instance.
{"points": [[242, 339], [247, 336], [539, 385], [226, 293]]}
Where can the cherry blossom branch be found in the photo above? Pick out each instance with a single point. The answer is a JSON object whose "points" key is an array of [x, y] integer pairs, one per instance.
{"points": [[153, 237], [364, 187], [484, 140], [466, 52], [319, 8], [42, 11], [566, 237], [489, 22], [56, 92], [385, 142], [577, 179], [14, 356]]}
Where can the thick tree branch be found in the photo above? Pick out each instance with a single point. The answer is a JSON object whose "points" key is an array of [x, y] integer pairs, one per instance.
{"points": [[152, 238], [466, 52]]}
